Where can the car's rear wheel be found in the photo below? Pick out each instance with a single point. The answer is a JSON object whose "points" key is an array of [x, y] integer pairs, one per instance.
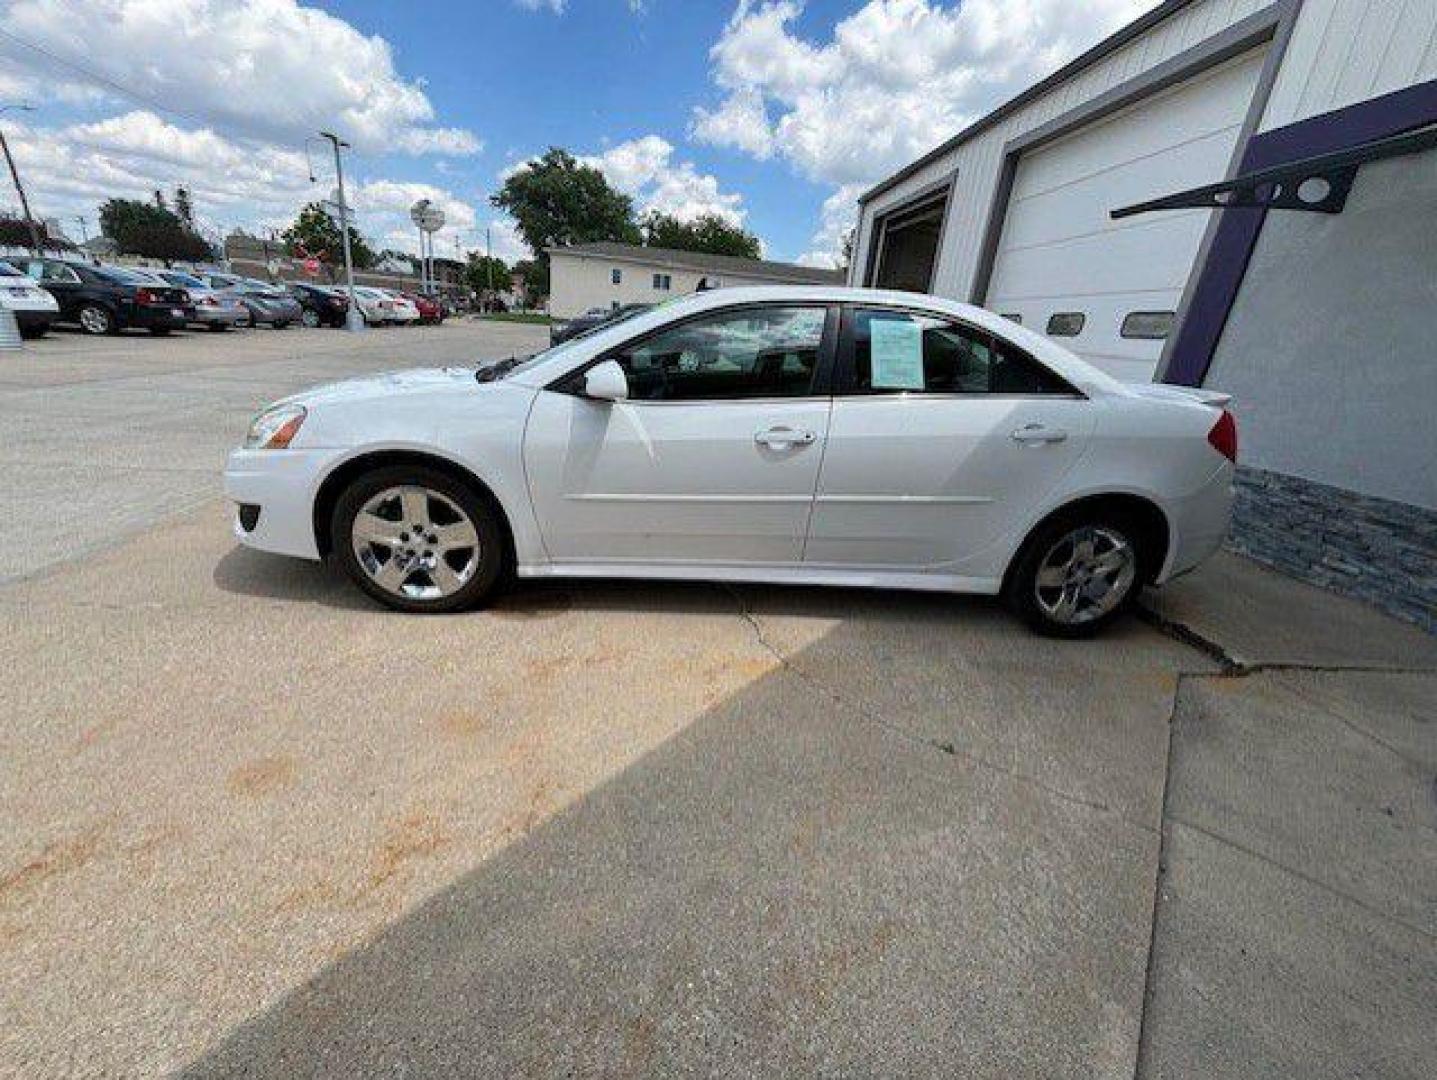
{"points": [[95, 319], [159, 331], [310, 318], [418, 540], [1078, 573]]}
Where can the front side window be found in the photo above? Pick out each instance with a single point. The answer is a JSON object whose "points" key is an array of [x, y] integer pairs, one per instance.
{"points": [[752, 353], [907, 352]]}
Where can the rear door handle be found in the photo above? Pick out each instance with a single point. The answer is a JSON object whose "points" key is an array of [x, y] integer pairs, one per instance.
{"points": [[1038, 434], [782, 437]]}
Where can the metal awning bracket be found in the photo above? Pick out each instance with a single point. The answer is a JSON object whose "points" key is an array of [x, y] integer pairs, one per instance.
{"points": [[1318, 184]]}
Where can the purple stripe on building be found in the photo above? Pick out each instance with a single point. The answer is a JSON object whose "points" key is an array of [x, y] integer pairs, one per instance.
{"points": [[1236, 237]]}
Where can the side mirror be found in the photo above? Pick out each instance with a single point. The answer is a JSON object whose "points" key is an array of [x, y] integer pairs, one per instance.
{"points": [[606, 382]]}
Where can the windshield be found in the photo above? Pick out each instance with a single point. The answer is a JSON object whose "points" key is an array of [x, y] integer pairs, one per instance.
{"points": [[124, 277], [187, 280], [514, 365], [6, 270]]}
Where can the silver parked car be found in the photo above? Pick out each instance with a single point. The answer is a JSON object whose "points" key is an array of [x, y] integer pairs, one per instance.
{"points": [[213, 309]]}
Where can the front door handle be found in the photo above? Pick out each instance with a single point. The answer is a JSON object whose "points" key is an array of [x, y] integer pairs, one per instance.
{"points": [[783, 437], [1038, 434]]}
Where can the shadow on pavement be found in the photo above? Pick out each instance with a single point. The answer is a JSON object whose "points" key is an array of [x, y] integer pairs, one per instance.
{"points": [[820, 874]]}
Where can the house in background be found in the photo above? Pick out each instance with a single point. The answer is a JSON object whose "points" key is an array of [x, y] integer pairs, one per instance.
{"points": [[1275, 164], [610, 275]]}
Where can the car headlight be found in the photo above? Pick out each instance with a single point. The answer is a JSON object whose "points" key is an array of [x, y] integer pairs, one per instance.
{"points": [[275, 428]]}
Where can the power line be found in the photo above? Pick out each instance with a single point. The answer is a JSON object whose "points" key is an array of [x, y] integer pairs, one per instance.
{"points": [[119, 88]]}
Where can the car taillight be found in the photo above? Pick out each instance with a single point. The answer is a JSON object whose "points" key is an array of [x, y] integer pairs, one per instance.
{"points": [[1223, 436], [144, 296]]}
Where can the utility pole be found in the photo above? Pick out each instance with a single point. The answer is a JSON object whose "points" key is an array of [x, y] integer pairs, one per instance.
{"points": [[489, 262], [84, 232], [354, 319], [15, 176]]}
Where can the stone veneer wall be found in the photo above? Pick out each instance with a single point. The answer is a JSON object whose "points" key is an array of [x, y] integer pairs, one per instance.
{"points": [[1372, 549]]}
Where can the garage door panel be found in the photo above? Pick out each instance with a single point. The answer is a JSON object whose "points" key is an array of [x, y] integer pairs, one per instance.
{"points": [[1154, 257], [1061, 251], [1174, 118], [1085, 203]]}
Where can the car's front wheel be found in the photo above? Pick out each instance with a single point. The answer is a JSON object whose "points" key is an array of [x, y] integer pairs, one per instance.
{"points": [[310, 318], [418, 540], [1076, 574], [95, 319]]}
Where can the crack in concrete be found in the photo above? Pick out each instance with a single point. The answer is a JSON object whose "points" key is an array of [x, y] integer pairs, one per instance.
{"points": [[1301, 875], [1232, 668]]}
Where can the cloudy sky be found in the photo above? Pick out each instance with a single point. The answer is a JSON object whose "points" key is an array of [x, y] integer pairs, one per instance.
{"points": [[773, 113]]}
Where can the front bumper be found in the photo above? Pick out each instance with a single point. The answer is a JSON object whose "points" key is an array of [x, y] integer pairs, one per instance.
{"points": [[282, 484]]}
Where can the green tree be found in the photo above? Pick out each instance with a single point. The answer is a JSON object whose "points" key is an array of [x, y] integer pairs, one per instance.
{"points": [[485, 272], [315, 234], [557, 200], [140, 228], [707, 233]]}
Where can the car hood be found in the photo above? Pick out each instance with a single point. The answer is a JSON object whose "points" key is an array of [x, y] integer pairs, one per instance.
{"points": [[387, 384]]}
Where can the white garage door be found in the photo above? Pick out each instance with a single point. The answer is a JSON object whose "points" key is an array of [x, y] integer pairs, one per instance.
{"points": [[1113, 285]]}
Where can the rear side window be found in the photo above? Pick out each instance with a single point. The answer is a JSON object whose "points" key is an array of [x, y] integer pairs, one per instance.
{"points": [[906, 352], [1147, 325], [1066, 323]]}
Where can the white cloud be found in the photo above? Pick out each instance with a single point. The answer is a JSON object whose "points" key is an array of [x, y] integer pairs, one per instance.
{"points": [[741, 121], [70, 170], [267, 69], [836, 219], [556, 6], [645, 169], [893, 80]]}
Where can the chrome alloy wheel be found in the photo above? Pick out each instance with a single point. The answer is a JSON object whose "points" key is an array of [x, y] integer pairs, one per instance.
{"points": [[1085, 575], [94, 321], [415, 543]]}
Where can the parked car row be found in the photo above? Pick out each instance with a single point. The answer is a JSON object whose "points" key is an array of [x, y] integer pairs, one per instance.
{"points": [[102, 299]]}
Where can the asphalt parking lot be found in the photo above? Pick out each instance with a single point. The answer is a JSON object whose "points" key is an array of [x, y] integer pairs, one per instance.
{"points": [[260, 827]]}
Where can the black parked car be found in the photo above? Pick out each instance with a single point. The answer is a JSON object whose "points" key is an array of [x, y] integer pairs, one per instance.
{"points": [[322, 306], [108, 299], [592, 320]]}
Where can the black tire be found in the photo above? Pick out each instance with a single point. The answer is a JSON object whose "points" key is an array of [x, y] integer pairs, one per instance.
{"points": [[492, 553], [279, 325], [218, 327], [159, 331], [97, 319], [1022, 592], [310, 319]]}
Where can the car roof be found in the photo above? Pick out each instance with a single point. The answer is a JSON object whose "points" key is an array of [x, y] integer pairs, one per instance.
{"points": [[1067, 364]]}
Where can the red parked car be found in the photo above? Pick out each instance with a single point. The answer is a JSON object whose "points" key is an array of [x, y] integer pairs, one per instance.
{"points": [[431, 311]]}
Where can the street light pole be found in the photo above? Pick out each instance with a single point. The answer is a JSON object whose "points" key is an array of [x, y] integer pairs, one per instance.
{"points": [[15, 176], [353, 319]]}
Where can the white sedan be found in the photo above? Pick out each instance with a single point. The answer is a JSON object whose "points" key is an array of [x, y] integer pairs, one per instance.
{"points": [[800, 435], [34, 308]]}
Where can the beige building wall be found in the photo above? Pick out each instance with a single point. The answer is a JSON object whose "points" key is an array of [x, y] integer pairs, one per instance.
{"points": [[578, 283]]}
